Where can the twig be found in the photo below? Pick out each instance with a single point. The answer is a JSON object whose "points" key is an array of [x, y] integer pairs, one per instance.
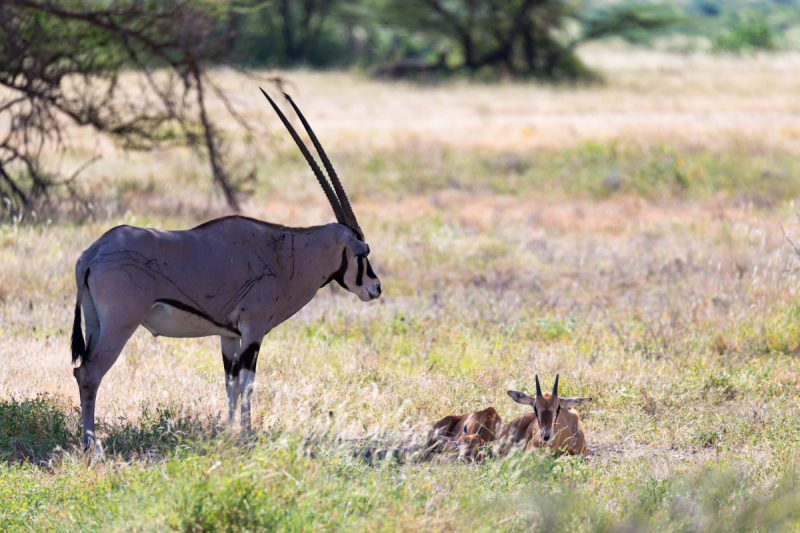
{"points": [[791, 243]]}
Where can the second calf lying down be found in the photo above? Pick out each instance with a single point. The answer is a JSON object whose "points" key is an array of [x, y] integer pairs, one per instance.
{"points": [[465, 433], [470, 446], [559, 425]]}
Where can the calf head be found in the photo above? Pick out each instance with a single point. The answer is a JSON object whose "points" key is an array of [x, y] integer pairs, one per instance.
{"points": [[547, 407], [469, 445]]}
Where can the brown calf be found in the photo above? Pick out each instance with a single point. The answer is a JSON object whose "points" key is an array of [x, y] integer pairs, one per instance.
{"points": [[471, 446], [466, 433], [560, 427]]}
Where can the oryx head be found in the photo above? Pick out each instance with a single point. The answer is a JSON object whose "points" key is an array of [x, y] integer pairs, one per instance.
{"points": [[547, 407], [355, 273]]}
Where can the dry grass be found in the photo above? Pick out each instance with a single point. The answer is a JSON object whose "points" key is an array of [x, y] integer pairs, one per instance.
{"points": [[677, 313]]}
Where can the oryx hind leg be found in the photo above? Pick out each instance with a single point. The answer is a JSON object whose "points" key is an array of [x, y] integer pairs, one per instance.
{"points": [[104, 353], [112, 314]]}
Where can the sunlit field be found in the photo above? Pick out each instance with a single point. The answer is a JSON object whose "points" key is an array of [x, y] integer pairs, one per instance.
{"points": [[634, 236]]}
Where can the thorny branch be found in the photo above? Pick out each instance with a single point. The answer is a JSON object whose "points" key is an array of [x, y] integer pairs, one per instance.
{"points": [[62, 63]]}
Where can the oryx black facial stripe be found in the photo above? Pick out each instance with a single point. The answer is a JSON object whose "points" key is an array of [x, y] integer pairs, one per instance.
{"points": [[370, 273], [360, 274]]}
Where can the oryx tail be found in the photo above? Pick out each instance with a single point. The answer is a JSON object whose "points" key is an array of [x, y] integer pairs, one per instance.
{"points": [[79, 350]]}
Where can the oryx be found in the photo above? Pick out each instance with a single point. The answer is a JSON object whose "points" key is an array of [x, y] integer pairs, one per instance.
{"points": [[235, 277]]}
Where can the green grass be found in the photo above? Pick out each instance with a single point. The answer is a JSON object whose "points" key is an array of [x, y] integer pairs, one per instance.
{"points": [[591, 170], [280, 482]]}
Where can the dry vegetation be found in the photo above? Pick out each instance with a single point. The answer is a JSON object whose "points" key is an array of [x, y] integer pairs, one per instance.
{"points": [[626, 235]]}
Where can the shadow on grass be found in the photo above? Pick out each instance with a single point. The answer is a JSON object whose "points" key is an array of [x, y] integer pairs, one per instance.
{"points": [[31, 429], [157, 433], [37, 429]]}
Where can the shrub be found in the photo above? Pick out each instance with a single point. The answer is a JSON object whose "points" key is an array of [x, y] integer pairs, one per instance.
{"points": [[746, 37]]}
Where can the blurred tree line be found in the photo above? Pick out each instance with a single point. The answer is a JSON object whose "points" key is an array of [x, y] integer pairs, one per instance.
{"points": [[403, 37], [738, 26]]}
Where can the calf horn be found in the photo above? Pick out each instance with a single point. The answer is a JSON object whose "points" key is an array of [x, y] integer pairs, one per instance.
{"points": [[555, 387], [538, 388]]}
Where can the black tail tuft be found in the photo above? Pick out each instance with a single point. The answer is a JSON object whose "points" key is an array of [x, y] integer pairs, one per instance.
{"points": [[78, 344]]}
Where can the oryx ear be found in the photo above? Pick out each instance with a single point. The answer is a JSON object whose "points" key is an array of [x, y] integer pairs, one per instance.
{"points": [[574, 402], [356, 246], [521, 397]]}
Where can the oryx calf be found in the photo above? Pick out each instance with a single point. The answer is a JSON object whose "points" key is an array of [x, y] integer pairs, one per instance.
{"points": [[465, 433], [560, 427], [471, 446], [234, 277]]}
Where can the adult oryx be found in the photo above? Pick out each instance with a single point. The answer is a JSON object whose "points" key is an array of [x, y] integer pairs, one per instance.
{"points": [[235, 277]]}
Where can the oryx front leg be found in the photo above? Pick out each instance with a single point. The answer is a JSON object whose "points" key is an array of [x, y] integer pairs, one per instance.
{"points": [[247, 377], [231, 348], [240, 373]]}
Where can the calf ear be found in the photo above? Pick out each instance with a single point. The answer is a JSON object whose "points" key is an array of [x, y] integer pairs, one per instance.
{"points": [[521, 397], [356, 246], [574, 402]]}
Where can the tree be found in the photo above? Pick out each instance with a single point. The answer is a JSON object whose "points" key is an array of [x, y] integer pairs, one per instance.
{"points": [[517, 37], [294, 32], [68, 61]]}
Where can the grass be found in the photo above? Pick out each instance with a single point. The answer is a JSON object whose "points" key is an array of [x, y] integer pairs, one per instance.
{"points": [[649, 270]]}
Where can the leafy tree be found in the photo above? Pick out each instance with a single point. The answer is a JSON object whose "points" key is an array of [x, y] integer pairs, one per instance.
{"points": [[295, 32], [747, 36], [517, 37]]}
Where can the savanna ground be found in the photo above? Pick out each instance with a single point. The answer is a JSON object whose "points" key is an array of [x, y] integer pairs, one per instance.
{"points": [[626, 235]]}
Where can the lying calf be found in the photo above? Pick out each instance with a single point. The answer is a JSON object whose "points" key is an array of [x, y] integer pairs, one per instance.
{"points": [[465, 433], [560, 427]]}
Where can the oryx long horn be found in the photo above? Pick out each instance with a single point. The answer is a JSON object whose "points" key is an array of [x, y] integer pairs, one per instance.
{"points": [[326, 187], [349, 216], [538, 388], [555, 387]]}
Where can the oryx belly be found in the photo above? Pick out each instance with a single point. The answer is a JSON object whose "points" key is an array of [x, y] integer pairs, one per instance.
{"points": [[168, 320]]}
